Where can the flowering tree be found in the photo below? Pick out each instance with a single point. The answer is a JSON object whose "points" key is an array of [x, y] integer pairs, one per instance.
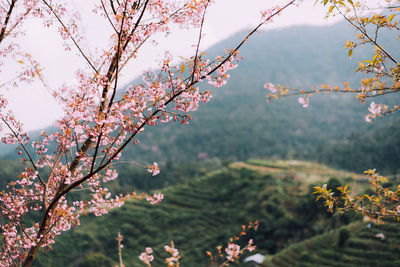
{"points": [[96, 125], [382, 73]]}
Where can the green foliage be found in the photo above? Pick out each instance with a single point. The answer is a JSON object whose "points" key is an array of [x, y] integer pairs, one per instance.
{"points": [[95, 260], [377, 148], [199, 215], [8, 169], [363, 248], [343, 237]]}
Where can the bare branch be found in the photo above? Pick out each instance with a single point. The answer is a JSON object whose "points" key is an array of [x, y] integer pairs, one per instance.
{"points": [[198, 43], [108, 17], [4, 26], [365, 33], [247, 37], [70, 36]]}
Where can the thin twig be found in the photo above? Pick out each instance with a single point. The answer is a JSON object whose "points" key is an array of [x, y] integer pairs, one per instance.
{"points": [[26, 151], [198, 43], [70, 36], [4, 26], [108, 17], [365, 33], [247, 37]]}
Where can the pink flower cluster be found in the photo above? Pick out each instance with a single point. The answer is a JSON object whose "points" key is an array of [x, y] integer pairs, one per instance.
{"points": [[304, 101], [155, 199], [174, 259], [271, 87], [232, 252], [154, 169], [376, 110], [266, 15], [147, 257]]}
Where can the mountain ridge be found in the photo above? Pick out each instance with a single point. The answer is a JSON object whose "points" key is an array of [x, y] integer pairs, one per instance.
{"points": [[238, 124]]}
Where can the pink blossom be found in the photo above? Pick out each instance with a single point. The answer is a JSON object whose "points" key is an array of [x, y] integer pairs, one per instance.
{"points": [[155, 199], [232, 251], [375, 109], [368, 118], [304, 101], [174, 259], [250, 246], [378, 69], [146, 256], [270, 87], [154, 169]]}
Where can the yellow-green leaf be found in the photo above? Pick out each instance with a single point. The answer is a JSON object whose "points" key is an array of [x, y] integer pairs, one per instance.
{"points": [[374, 59]]}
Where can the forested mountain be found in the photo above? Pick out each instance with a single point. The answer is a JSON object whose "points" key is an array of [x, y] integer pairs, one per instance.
{"points": [[238, 124], [377, 148]]}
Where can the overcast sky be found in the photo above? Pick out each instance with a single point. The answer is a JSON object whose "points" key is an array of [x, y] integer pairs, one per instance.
{"points": [[33, 104]]}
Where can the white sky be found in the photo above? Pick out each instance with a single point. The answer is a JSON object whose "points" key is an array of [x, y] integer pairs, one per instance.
{"points": [[33, 104]]}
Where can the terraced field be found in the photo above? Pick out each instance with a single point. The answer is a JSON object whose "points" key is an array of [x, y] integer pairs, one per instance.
{"points": [[203, 213], [305, 173], [365, 246]]}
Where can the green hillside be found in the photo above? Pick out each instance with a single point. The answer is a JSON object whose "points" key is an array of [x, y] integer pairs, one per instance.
{"points": [[359, 244], [203, 213]]}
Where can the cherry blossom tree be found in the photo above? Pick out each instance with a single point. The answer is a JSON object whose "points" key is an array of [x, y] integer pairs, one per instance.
{"points": [[97, 124]]}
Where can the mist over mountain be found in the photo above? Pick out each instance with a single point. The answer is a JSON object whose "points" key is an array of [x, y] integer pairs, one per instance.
{"points": [[238, 123]]}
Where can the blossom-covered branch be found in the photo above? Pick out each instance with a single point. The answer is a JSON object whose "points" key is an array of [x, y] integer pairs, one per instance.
{"points": [[97, 124]]}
